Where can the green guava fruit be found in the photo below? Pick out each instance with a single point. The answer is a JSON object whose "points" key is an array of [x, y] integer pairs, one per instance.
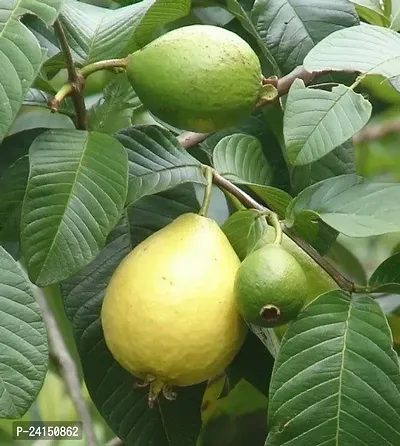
{"points": [[270, 287], [199, 77]]}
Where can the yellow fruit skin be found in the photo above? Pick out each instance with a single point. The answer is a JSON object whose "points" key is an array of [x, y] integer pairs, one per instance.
{"points": [[169, 310], [200, 77]]}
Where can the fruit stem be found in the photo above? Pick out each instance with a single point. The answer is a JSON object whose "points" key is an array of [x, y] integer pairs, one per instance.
{"points": [[68, 88], [208, 173], [273, 219]]}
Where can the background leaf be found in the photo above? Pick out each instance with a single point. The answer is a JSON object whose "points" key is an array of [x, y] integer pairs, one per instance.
{"points": [[386, 278], [240, 157], [351, 205], [23, 341], [110, 386], [75, 194], [157, 162], [364, 48], [336, 362], [20, 54], [290, 28], [114, 110], [96, 33], [338, 162], [12, 192], [371, 11], [318, 121]]}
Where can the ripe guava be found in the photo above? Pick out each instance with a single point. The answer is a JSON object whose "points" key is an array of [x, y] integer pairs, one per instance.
{"points": [[169, 314], [270, 287], [200, 77]]}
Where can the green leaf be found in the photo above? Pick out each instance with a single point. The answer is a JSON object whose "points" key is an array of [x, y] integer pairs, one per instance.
{"points": [[386, 278], [244, 18], [336, 378], [157, 162], [20, 54], [351, 205], [318, 121], [113, 111], [12, 192], [75, 194], [111, 387], [23, 341], [239, 158], [360, 49], [395, 15], [243, 365], [291, 28], [96, 33], [338, 162], [371, 11], [237, 229]]}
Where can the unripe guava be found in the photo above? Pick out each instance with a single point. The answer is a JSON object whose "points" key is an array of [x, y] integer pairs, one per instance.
{"points": [[169, 314], [200, 77], [270, 287]]}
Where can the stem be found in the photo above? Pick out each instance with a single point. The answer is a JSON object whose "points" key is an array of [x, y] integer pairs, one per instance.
{"points": [[76, 81], [59, 351], [82, 74], [208, 173], [249, 202], [274, 221]]}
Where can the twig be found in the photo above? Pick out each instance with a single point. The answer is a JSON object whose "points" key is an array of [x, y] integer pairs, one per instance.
{"points": [[249, 202], [68, 369], [377, 131], [76, 80], [83, 73], [115, 442], [190, 139]]}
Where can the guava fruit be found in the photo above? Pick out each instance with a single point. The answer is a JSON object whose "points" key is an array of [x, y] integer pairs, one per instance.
{"points": [[270, 287], [169, 315], [199, 77]]}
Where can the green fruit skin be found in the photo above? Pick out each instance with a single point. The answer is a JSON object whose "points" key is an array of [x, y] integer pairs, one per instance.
{"points": [[270, 276], [199, 77]]}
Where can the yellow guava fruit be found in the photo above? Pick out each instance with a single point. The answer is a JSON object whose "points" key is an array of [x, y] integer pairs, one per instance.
{"points": [[200, 77], [270, 287], [169, 315]]}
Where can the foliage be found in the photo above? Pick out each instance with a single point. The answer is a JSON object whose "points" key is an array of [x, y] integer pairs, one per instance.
{"points": [[86, 178]]}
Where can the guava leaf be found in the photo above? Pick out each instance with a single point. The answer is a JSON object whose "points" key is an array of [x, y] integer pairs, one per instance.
{"points": [[395, 15], [318, 121], [114, 110], [291, 28], [243, 15], [338, 162], [386, 278], [96, 33], [20, 54], [23, 340], [111, 387], [240, 159], [359, 49], [336, 377], [350, 204], [75, 195], [157, 162], [12, 192], [371, 11]]}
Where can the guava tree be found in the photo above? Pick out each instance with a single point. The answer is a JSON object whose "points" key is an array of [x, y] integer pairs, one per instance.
{"points": [[294, 143]]}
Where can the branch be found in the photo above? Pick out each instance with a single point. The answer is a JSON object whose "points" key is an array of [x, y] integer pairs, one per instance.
{"points": [[83, 73], [249, 202], [191, 139], [377, 131], [59, 351], [76, 81]]}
